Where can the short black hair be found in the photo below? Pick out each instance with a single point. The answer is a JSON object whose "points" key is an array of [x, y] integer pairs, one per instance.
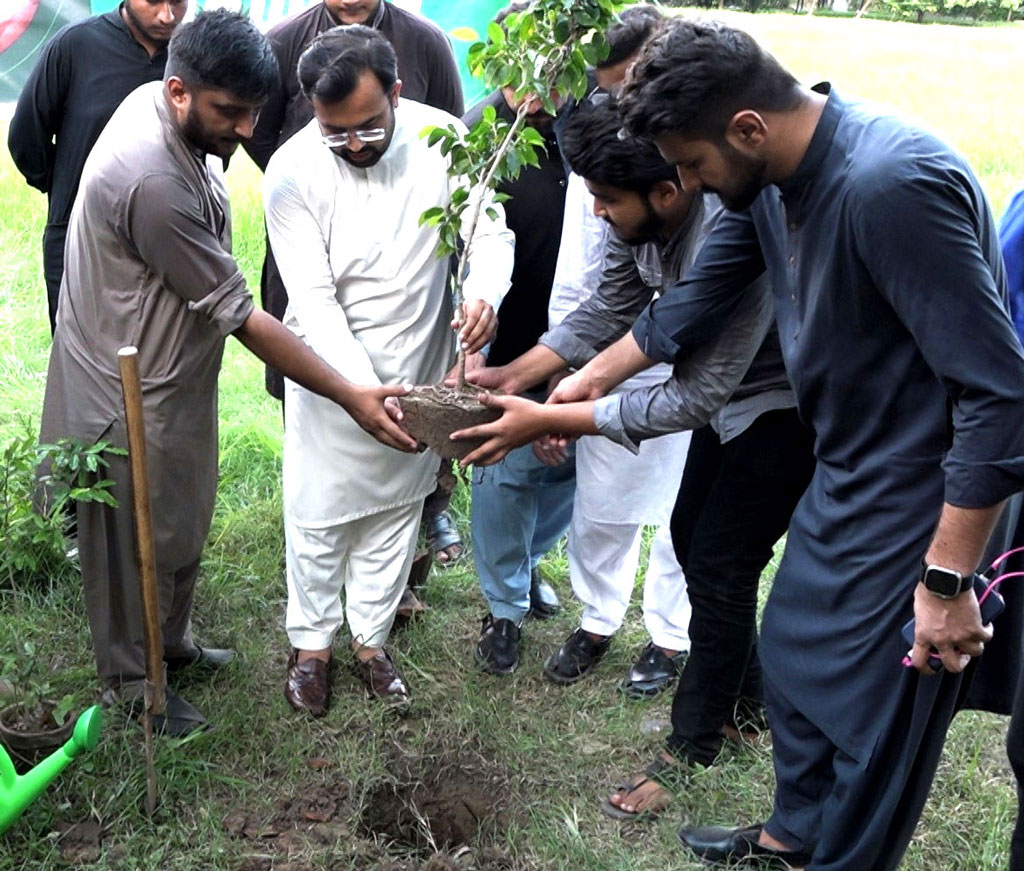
{"points": [[223, 50], [330, 68], [691, 77], [630, 31], [592, 146]]}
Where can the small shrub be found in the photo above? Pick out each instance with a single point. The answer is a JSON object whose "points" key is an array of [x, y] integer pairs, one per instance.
{"points": [[32, 528]]}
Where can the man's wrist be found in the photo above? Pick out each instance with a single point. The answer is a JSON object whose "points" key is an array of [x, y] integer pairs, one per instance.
{"points": [[944, 582], [531, 368]]}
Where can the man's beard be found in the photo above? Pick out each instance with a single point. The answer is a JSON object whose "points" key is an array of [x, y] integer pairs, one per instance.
{"points": [[194, 133], [157, 39], [748, 180], [644, 232], [542, 122], [348, 156]]}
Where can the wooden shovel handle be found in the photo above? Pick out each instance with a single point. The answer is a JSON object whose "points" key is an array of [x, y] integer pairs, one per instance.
{"points": [[132, 388]]}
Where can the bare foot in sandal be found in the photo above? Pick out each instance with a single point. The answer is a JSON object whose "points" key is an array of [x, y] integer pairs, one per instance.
{"points": [[443, 538], [646, 795]]}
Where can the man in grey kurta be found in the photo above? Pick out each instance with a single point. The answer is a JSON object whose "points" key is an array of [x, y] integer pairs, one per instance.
{"points": [[149, 264], [890, 299]]}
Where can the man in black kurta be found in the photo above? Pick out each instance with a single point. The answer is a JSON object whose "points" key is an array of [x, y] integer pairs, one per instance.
{"points": [[81, 77], [890, 299]]}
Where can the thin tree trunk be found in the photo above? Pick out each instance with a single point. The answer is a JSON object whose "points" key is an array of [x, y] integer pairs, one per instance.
{"points": [[460, 273]]}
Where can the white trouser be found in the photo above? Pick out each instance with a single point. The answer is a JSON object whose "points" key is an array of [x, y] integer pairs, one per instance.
{"points": [[369, 557], [603, 559], [617, 493]]}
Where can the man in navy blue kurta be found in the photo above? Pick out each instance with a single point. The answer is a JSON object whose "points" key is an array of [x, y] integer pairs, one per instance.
{"points": [[890, 298]]}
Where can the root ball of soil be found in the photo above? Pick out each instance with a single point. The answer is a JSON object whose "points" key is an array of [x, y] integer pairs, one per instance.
{"points": [[433, 413]]}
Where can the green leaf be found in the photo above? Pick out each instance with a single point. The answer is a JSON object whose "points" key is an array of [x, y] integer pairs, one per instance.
{"points": [[495, 34], [431, 216]]}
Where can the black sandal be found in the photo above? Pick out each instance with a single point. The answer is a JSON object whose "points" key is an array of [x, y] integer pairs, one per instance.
{"points": [[441, 534], [667, 775]]}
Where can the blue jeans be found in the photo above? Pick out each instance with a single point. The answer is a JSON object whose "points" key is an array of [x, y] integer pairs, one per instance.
{"points": [[521, 508]]}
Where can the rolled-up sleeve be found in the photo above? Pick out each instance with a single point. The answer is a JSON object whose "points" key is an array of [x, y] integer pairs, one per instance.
{"points": [[695, 309], [165, 224], [928, 263], [700, 385]]}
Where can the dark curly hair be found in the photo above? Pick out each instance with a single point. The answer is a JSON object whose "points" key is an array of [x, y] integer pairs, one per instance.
{"points": [[691, 77], [595, 151]]}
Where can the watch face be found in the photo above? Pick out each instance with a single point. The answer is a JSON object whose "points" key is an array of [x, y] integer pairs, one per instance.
{"points": [[942, 582]]}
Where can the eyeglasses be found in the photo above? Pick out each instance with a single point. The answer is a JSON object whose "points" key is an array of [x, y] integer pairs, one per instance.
{"points": [[368, 137]]}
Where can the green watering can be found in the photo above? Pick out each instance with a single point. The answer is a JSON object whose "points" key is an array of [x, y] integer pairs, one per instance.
{"points": [[17, 792]]}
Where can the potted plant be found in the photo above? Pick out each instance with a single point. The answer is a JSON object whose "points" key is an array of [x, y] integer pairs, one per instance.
{"points": [[542, 49], [34, 723]]}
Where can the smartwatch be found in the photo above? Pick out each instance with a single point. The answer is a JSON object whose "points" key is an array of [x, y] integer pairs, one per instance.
{"points": [[944, 583]]}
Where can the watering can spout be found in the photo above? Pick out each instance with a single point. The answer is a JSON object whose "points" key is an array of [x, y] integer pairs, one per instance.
{"points": [[17, 792]]}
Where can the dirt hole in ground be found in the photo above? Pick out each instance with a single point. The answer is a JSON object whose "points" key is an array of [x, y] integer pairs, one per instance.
{"points": [[444, 806]]}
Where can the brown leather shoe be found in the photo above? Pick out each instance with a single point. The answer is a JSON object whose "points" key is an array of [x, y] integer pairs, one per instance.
{"points": [[307, 685], [382, 681]]}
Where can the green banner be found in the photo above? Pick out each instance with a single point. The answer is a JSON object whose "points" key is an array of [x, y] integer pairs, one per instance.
{"points": [[27, 25]]}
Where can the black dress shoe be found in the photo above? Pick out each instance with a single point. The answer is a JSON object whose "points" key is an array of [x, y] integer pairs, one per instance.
{"points": [[651, 673], [201, 659], [497, 651], [543, 599], [178, 719], [725, 846], [574, 659]]}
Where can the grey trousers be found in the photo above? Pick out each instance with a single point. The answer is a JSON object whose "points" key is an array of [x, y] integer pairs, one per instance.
{"points": [[113, 600]]}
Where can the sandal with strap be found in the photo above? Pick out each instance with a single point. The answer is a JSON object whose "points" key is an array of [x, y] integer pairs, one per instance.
{"points": [[442, 535], [667, 775]]}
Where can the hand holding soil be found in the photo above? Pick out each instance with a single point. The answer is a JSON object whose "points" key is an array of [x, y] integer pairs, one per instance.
{"points": [[581, 386], [377, 412], [521, 421], [475, 368], [494, 378]]}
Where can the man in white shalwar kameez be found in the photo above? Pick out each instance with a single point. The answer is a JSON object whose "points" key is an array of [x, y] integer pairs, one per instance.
{"points": [[605, 534], [368, 292]]}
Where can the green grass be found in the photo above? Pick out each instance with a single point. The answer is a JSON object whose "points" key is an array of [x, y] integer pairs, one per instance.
{"points": [[544, 754]]}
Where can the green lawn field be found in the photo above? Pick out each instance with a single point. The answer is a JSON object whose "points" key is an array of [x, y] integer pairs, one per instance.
{"points": [[357, 790]]}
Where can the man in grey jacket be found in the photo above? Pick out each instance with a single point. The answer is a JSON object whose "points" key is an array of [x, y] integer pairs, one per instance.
{"points": [[745, 470]]}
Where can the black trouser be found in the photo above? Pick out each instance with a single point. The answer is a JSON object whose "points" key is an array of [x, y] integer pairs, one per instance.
{"points": [[734, 504], [53, 266], [1015, 750], [274, 299]]}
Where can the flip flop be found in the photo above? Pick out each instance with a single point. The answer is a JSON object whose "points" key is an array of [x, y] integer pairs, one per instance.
{"points": [[661, 772]]}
